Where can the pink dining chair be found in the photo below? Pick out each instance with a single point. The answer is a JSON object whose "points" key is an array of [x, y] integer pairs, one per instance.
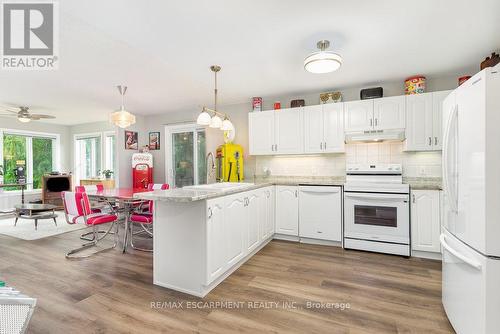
{"points": [[151, 187], [92, 187], [77, 208]]}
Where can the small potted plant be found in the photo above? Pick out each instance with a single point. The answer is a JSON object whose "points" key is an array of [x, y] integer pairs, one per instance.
{"points": [[107, 173]]}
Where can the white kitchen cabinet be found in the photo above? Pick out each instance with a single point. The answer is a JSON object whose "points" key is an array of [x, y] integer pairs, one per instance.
{"points": [[261, 130], [251, 218], [287, 210], [333, 128], [424, 125], [324, 128], [425, 220], [358, 116], [266, 213], [313, 129], [389, 113], [234, 227], [437, 119], [216, 239], [320, 212], [289, 131]]}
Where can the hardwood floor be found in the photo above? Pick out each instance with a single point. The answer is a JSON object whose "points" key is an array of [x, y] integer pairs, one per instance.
{"points": [[113, 293]]}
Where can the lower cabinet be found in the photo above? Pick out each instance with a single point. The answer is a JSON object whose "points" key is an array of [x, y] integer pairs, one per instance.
{"points": [[216, 239], [287, 210], [320, 212], [237, 225], [425, 220]]}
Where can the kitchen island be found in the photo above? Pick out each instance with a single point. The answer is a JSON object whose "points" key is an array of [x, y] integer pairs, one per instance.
{"points": [[202, 234]]}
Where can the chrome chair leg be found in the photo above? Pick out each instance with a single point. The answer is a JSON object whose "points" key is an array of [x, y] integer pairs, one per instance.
{"points": [[94, 242], [132, 240]]}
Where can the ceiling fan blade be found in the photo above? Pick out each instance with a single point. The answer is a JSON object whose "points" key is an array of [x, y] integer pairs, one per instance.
{"points": [[12, 111], [40, 116], [10, 115]]}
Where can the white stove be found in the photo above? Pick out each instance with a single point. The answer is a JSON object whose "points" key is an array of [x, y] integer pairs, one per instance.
{"points": [[376, 209]]}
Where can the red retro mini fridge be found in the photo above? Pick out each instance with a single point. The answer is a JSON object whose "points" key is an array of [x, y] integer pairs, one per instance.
{"points": [[142, 170]]}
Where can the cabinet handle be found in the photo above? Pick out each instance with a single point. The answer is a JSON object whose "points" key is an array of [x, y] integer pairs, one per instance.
{"points": [[320, 146], [413, 197], [210, 213], [435, 140], [430, 141], [324, 145], [371, 122], [376, 121], [296, 193]]}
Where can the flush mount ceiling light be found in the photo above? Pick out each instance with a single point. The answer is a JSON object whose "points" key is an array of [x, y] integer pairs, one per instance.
{"points": [[122, 118], [322, 61], [212, 117]]}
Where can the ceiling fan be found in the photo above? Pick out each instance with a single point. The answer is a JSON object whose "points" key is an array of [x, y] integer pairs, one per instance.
{"points": [[24, 115]]}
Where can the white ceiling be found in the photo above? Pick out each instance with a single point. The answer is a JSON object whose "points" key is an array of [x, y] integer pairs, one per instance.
{"points": [[163, 49]]}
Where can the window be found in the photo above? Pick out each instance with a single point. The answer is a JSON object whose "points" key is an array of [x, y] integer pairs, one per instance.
{"points": [[94, 152], [185, 156], [36, 152]]}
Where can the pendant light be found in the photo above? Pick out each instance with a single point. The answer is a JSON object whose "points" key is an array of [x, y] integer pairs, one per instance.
{"points": [[214, 121], [322, 61], [122, 118]]}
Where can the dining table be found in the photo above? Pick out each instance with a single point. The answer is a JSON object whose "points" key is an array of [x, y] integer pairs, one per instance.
{"points": [[123, 199]]}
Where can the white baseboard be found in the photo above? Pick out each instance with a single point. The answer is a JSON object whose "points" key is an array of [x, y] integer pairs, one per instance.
{"points": [[320, 242], [286, 237], [426, 255]]}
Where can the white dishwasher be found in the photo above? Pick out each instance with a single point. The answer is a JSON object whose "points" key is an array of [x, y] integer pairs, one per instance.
{"points": [[320, 212]]}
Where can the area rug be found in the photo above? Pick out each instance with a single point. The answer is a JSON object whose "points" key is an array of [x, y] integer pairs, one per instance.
{"points": [[25, 228]]}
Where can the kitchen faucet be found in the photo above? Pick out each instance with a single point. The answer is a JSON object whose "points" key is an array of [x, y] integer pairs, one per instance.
{"points": [[211, 169]]}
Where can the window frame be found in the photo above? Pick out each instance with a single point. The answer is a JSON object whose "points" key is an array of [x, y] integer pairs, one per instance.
{"points": [[56, 152], [103, 152]]}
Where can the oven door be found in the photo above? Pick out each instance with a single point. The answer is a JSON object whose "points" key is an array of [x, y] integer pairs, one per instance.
{"points": [[377, 216]]}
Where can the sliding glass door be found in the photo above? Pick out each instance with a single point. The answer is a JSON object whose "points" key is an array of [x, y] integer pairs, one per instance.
{"points": [[185, 159]]}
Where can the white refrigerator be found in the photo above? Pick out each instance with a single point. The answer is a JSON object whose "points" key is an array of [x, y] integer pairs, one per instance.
{"points": [[470, 236]]}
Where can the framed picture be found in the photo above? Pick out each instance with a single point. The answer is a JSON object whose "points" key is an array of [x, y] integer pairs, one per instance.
{"points": [[154, 140], [131, 140]]}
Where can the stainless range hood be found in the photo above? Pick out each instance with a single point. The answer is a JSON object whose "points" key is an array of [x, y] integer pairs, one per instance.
{"points": [[375, 136]]}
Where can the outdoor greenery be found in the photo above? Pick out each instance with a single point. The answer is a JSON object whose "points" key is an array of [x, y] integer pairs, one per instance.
{"points": [[107, 173], [14, 149]]}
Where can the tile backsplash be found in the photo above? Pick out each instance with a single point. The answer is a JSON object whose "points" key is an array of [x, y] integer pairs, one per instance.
{"points": [[415, 164]]}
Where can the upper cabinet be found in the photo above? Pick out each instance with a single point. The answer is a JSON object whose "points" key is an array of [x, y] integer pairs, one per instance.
{"points": [[324, 128], [289, 131], [358, 115], [423, 126], [389, 113], [385, 113], [276, 132], [261, 133]]}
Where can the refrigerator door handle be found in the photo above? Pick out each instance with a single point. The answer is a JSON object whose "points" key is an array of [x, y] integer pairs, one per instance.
{"points": [[455, 253], [446, 178]]}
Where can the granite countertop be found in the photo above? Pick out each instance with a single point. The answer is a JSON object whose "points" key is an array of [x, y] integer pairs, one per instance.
{"points": [[190, 195], [184, 195], [424, 183]]}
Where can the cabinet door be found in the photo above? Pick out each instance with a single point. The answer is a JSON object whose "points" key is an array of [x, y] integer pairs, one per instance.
{"points": [[389, 113], [266, 226], [437, 118], [320, 212], [333, 127], [289, 131], [216, 239], [253, 209], [234, 227], [271, 202], [419, 122], [261, 133], [287, 210], [313, 129], [358, 116], [425, 220]]}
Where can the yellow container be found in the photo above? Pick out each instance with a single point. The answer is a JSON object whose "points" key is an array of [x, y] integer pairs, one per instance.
{"points": [[230, 163]]}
